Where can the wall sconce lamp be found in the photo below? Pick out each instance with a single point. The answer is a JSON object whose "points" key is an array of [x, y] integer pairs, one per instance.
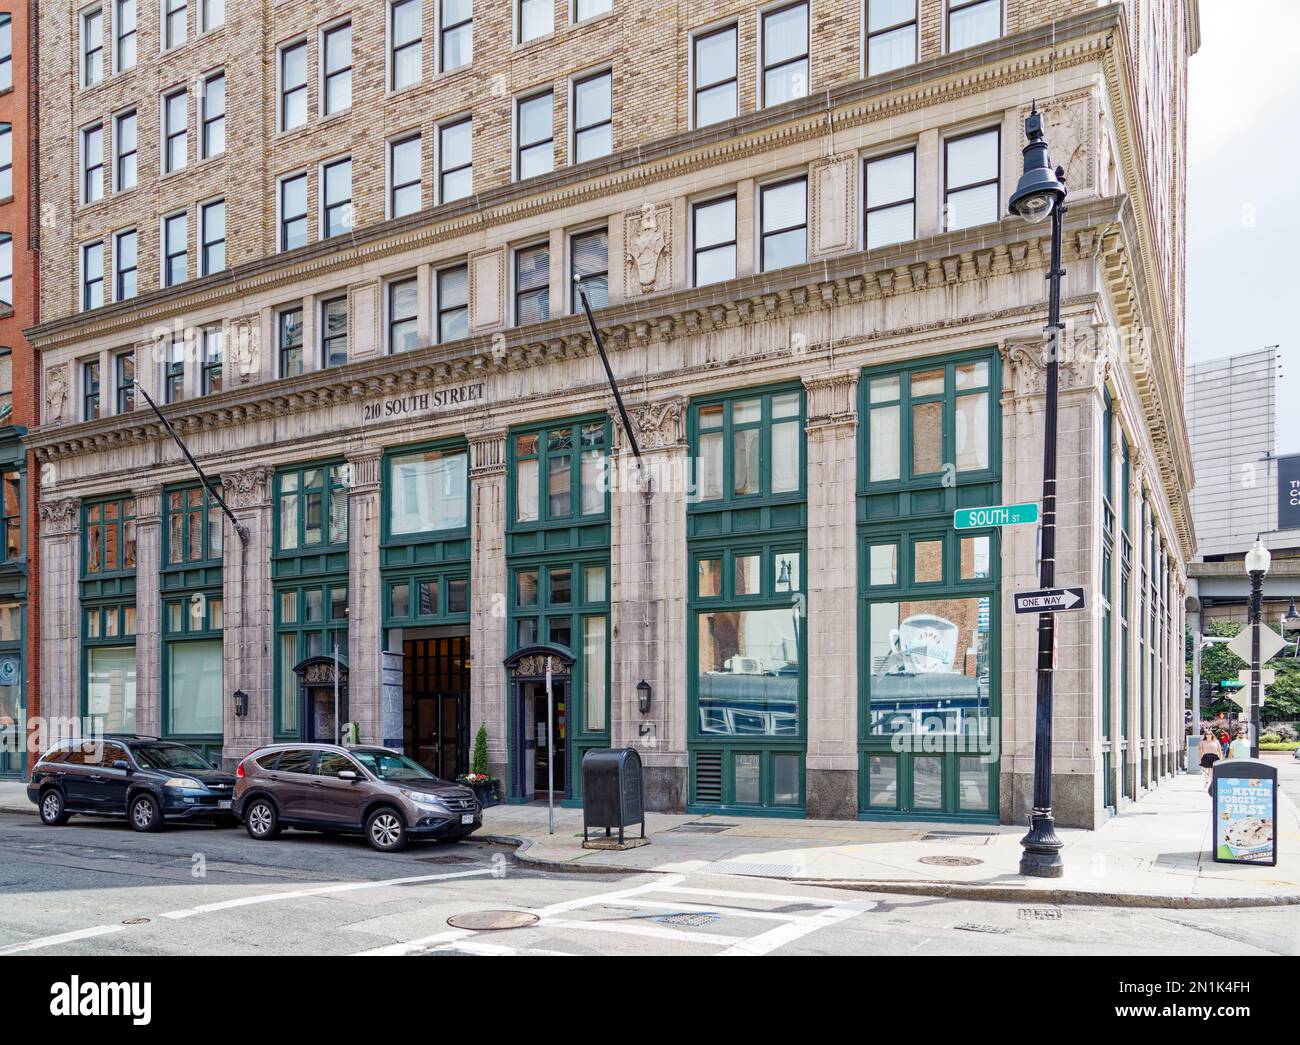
{"points": [[643, 693], [241, 703]]}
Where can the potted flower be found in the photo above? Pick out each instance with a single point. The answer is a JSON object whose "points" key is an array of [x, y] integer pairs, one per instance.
{"points": [[484, 784]]}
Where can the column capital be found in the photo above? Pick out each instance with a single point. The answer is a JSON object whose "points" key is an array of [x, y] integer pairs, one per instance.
{"points": [[487, 452], [832, 398], [61, 517], [148, 504], [659, 424], [248, 488], [364, 465]]}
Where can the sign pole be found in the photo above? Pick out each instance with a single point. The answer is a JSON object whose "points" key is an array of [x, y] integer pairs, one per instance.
{"points": [[550, 751], [336, 692]]}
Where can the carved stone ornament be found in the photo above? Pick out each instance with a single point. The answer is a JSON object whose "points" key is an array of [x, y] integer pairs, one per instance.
{"points": [[657, 425], [648, 236], [244, 338], [1084, 362], [322, 674], [1070, 127], [247, 489], [534, 666], [60, 517], [56, 393]]}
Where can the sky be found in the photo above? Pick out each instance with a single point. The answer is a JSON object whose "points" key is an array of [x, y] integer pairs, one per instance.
{"points": [[1243, 190]]}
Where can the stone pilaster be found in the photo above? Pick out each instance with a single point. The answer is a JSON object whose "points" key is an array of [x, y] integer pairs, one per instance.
{"points": [[148, 610], [61, 683], [648, 586], [487, 627], [832, 596], [365, 617], [248, 639]]}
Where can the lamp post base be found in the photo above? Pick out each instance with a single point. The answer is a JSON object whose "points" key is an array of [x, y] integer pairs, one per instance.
{"points": [[1042, 855]]}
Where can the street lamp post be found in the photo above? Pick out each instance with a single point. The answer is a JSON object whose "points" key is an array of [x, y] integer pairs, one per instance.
{"points": [[1040, 194], [1257, 563]]}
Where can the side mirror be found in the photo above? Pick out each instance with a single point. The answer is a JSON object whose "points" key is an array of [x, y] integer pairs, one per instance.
{"points": [[348, 774], [122, 764]]}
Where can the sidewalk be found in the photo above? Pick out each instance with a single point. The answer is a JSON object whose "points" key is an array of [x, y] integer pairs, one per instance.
{"points": [[1154, 854]]}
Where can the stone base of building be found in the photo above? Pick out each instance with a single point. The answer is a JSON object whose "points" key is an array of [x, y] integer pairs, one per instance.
{"points": [[665, 788], [831, 794], [1073, 800]]}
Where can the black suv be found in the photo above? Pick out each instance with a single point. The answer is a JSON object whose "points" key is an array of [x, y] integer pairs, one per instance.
{"points": [[144, 779]]}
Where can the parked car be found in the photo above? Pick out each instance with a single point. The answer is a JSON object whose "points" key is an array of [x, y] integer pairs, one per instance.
{"points": [[147, 780], [370, 791]]}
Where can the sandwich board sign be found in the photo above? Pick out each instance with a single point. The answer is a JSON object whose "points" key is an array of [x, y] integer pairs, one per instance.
{"points": [[1244, 808]]}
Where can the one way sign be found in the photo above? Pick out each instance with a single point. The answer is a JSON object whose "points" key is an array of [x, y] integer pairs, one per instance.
{"points": [[1050, 600]]}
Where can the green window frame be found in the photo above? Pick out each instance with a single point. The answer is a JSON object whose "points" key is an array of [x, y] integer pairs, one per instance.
{"points": [[420, 599], [309, 619], [11, 514], [559, 473], [457, 499], [191, 622], [748, 446], [311, 499], [108, 537], [193, 526], [108, 634]]}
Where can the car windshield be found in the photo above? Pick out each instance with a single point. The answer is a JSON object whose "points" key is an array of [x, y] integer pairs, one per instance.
{"points": [[169, 756], [389, 766]]}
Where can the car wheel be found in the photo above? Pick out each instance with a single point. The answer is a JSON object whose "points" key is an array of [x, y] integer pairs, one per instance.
{"points": [[261, 820], [145, 814], [54, 813], [385, 830]]}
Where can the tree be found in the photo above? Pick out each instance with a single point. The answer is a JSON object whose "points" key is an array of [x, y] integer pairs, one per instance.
{"points": [[479, 763], [1218, 663]]}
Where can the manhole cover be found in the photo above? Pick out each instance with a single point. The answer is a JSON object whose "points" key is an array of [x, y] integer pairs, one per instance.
{"points": [[950, 861], [687, 918], [981, 927], [135, 921], [486, 921]]}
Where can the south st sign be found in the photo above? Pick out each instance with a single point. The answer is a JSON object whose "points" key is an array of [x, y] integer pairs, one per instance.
{"points": [[413, 404]]}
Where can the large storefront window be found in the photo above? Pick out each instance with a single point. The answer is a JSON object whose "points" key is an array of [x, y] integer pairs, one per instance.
{"points": [[428, 491], [193, 663], [929, 732], [311, 620], [110, 689], [108, 614], [12, 707], [749, 672]]}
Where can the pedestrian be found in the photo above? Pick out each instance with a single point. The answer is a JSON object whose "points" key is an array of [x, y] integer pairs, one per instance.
{"points": [[1240, 746], [1209, 752], [1223, 742]]}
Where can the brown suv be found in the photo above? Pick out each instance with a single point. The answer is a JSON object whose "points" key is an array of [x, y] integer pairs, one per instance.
{"points": [[350, 790]]}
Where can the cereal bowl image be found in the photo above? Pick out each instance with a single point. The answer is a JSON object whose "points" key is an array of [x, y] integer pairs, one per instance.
{"points": [[1253, 835]]}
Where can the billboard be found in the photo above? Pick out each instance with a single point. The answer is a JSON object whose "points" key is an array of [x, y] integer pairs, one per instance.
{"points": [[1288, 492]]}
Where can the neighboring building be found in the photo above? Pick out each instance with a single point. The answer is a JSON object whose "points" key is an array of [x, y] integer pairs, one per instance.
{"points": [[19, 606], [355, 299]]}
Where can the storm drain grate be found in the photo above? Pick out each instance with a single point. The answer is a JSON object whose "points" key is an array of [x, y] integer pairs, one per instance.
{"points": [[961, 837], [950, 861], [756, 870], [981, 927], [1040, 914], [488, 921], [687, 918], [700, 829]]}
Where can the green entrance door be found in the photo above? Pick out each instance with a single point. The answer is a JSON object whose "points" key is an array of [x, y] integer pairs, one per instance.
{"points": [[13, 742]]}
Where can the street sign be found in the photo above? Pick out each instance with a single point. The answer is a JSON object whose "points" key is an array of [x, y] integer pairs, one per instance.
{"points": [[994, 515], [1050, 600], [1270, 643]]}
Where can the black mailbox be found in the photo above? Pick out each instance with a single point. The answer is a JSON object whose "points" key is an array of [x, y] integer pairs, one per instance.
{"points": [[612, 790]]}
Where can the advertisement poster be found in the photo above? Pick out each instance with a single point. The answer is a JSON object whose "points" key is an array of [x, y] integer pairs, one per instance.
{"points": [[1244, 818], [1288, 492]]}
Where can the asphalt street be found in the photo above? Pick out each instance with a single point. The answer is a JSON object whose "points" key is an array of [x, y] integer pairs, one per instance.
{"points": [[96, 887]]}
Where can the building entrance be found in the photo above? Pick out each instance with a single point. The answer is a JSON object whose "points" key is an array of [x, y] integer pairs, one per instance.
{"points": [[435, 712]]}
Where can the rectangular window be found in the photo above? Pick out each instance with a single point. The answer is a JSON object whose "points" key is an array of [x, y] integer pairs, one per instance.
{"points": [[124, 144], [428, 492], [715, 76], [404, 176], [336, 200], [532, 284], [213, 344], [536, 18], [12, 521], [212, 137], [124, 381], [714, 241], [736, 437], [6, 269], [212, 229], [457, 21], [336, 61], [173, 374], [403, 308], [293, 211], [124, 28], [593, 672], [972, 22], [175, 19], [891, 35], [6, 161], [6, 51], [125, 261], [535, 131], [92, 47], [455, 160], [175, 130], [593, 128], [312, 506], [562, 468], [195, 689], [289, 341], [783, 207], [970, 171], [404, 38], [589, 260], [740, 652], [453, 303], [785, 54], [890, 209], [110, 688], [293, 85], [90, 390], [212, 15], [92, 164], [334, 331], [584, 9], [92, 275], [175, 249]]}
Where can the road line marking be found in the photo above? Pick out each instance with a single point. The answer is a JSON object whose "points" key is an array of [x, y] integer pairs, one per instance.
{"points": [[775, 897], [502, 950], [412, 946], [655, 931], [54, 941], [324, 890], [737, 912], [769, 941], [566, 906]]}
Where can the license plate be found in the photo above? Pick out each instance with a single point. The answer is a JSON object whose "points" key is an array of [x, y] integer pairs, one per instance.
{"points": [[223, 805], [466, 818]]}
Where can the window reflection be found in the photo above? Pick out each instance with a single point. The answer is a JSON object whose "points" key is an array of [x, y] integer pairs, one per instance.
{"points": [[749, 673]]}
